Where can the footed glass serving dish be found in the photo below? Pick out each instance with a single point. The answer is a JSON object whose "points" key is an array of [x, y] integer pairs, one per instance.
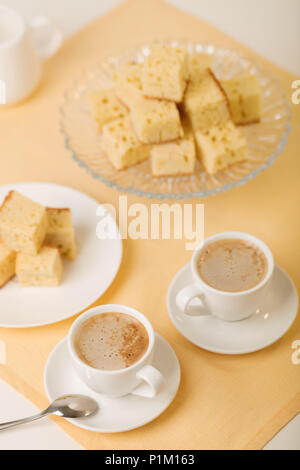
{"points": [[265, 140]]}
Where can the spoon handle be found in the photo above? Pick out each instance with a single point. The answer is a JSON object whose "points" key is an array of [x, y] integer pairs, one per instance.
{"points": [[11, 424]]}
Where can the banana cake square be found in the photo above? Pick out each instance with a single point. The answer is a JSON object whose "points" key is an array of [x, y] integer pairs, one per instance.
{"points": [[128, 83], [198, 64], [60, 232], [220, 147], [121, 145], [205, 103], [245, 98], [156, 121], [43, 269], [165, 73], [23, 223], [106, 107], [174, 158], [7, 264]]}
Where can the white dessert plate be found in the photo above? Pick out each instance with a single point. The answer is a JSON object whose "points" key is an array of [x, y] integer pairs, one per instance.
{"points": [[114, 414], [267, 325], [84, 279]]}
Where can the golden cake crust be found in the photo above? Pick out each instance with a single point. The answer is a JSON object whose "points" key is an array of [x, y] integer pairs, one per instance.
{"points": [[61, 231], [7, 264], [245, 98], [176, 158], [121, 144], [218, 83], [165, 73], [23, 223], [43, 269]]}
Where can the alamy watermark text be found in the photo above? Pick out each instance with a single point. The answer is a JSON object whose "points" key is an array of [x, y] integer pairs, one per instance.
{"points": [[157, 222], [296, 353], [296, 93]]}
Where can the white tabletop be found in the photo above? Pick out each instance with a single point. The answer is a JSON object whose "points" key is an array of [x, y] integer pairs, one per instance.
{"points": [[271, 27]]}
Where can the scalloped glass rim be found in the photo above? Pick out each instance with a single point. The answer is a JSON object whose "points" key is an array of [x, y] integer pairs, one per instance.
{"points": [[235, 61]]}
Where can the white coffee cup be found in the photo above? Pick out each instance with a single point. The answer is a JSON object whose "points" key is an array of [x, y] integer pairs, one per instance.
{"points": [[22, 51], [141, 378], [228, 306]]}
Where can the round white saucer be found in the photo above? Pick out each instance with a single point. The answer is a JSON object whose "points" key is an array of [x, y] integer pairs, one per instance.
{"points": [[84, 280], [115, 414], [267, 325]]}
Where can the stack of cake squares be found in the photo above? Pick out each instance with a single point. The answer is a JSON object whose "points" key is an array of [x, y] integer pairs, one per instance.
{"points": [[33, 240], [172, 109]]}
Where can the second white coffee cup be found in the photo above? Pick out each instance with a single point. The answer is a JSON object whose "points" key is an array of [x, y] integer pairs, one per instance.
{"points": [[228, 306], [141, 378]]}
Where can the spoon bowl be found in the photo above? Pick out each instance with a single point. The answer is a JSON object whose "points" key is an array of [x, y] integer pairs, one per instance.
{"points": [[67, 406], [73, 406]]}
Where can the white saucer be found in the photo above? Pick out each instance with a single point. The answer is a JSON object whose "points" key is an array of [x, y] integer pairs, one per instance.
{"points": [[271, 321], [115, 414], [85, 279]]}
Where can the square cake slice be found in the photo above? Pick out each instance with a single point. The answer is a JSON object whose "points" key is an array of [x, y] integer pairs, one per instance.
{"points": [[205, 103], [165, 73], [106, 107], [128, 84], [23, 223], [174, 158], [121, 145], [245, 97], [199, 63], [220, 147], [44, 269], [156, 121], [60, 232], [7, 264]]}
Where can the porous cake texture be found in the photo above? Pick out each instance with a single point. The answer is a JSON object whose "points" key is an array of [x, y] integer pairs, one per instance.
{"points": [[43, 269], [205, 103], [128, 84], [60, 232], [219, 147], [106, 107], [174, 158], [245, 98], [165, 73], [7, 264], [156, 121], [23, 223], [121, 145], [168, 102], [199, 65]]}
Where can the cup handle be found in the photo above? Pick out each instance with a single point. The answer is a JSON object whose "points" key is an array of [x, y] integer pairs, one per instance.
{"points": [[186, 295], [47, 38], [153, 381]]}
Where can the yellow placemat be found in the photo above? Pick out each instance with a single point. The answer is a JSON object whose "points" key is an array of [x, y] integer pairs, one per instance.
{"points": [[223, 402]]}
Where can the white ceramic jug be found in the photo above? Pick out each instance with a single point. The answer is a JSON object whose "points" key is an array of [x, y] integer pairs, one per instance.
{"points": [[22, 51]]}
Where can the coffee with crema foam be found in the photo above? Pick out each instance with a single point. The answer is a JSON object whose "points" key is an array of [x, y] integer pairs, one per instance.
{"points": [[232, 265], [111, 341]]}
